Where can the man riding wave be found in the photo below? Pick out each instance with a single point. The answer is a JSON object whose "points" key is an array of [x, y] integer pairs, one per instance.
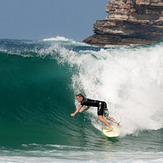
{"points": [[101, 109]]}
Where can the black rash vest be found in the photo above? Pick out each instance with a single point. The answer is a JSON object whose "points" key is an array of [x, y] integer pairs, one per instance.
{"points": [[90, 102], [101, 106]]}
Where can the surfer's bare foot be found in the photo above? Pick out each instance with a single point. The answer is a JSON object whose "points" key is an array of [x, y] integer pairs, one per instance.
{"points": [[109, 129]]}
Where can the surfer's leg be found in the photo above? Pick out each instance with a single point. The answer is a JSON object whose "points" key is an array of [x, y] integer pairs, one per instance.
{"points": [[112, 120], [100, 113], [100, 117]]}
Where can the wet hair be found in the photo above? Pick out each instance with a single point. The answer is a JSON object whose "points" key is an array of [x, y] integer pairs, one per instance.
{"points": [[80, 95]]}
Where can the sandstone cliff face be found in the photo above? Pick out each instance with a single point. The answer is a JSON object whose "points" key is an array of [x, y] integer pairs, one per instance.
{"points": [[136, 22]]}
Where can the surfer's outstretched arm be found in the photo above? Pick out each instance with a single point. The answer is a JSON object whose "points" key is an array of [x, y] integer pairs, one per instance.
{"points": [[85, 109], [77, 110]]}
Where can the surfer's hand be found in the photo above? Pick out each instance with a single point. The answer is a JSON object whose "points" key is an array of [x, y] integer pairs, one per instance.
{"points": [[73, 114]]}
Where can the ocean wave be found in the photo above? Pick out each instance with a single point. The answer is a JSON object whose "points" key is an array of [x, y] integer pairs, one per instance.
{"points": [[129, 79]]}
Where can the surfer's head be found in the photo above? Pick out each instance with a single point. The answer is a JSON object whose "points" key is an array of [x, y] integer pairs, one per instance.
{"points": [[80, 97]]}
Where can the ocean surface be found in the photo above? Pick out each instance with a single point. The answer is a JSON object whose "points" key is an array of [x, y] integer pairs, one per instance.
{"points": [[38, 83]]}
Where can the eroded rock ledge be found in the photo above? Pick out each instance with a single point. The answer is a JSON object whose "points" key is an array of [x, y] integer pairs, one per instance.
{"points": [[130, 22]]}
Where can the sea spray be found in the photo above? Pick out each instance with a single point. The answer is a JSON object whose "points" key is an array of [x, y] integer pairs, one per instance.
{"points": [[130, 80]]}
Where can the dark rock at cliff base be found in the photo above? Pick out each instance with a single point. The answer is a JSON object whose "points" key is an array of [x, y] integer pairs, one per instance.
{"points": [[104, 40], [130, 22]]}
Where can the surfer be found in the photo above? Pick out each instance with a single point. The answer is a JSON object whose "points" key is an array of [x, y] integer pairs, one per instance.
{"points": [[101, 111]]}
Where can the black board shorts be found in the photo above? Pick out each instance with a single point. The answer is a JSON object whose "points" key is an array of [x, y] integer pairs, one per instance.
{"points": [[102, 109]]}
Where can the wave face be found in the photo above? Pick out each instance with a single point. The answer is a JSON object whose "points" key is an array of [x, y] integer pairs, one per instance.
{"points": [[39, 81]]}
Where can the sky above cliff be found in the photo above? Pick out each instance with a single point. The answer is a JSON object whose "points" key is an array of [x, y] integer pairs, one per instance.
{"points": [[38, 19]]}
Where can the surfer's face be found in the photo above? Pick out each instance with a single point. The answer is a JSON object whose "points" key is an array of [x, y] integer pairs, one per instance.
{"points": [[79, 99]]}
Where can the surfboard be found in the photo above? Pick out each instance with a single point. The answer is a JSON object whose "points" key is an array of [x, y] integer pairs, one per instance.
{"points": [[111, 134]]}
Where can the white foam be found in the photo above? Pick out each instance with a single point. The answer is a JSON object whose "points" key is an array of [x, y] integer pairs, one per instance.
{"points": [[57, 38], [85, 156], [130, 80], [63, 40]]}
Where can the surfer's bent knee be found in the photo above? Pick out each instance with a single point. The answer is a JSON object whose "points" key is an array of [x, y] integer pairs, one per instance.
{"points": [[100, 117]]}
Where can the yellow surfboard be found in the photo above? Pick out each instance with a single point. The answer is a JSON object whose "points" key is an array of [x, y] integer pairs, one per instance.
{"points": [[111, 134]]}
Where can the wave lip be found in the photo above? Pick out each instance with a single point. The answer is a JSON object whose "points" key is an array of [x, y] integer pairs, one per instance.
{"points": [[57, 38]]}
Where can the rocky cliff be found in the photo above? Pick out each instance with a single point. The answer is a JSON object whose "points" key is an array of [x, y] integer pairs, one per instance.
{"points": [[130, 22]]}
